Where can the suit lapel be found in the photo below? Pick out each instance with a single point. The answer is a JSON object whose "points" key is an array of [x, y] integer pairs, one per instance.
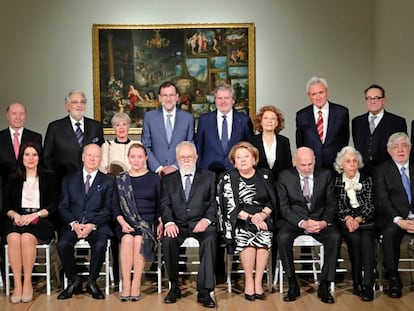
{"points": [[9, 146], [160, 120], [69, 132]]}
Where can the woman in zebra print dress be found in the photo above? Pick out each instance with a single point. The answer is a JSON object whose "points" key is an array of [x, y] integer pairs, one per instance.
{"points": [[247, 200]]}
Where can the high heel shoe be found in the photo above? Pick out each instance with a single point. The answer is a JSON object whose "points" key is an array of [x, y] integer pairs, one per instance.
{"points": [[27, 298], [15, 299], [260, 296], [135, 298], [249, 297], [124, 298]]}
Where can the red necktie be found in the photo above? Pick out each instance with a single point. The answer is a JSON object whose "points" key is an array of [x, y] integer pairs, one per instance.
{"points": [[319, 125], [16, 144]]}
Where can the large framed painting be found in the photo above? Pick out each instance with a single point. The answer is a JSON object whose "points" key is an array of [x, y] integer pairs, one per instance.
{"points": [[131, 61]]}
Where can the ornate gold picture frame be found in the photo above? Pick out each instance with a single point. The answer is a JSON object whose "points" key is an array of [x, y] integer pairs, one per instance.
{"points": [[131, 61]]}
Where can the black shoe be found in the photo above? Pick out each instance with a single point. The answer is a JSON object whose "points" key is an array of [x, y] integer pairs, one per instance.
{"points": [[324, 294], [173, 295], [204, 298], [294, 290], [357, 289], [74, 287], [395, 289], [95, 291], [367, 294], [260, 296], [250, 297]]}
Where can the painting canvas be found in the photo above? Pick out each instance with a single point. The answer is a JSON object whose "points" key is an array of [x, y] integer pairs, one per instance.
{"points": [[131, 61]]}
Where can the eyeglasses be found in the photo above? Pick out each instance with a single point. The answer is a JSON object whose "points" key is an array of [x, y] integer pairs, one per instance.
{"points": [[77, 102], [185, 157], [375, 99]]}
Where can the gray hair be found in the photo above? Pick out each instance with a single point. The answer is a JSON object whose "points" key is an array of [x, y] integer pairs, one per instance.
{"points": [[120, 116], [67, 98], [316, 80], [396, 137], [340, 157], [186, 143], [225, 87]]}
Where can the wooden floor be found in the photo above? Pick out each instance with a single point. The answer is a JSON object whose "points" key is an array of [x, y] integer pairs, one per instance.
{"points": [[152, 301]]}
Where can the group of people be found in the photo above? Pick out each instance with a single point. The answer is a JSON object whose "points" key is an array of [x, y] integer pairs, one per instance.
{"points": [[223, 185]]}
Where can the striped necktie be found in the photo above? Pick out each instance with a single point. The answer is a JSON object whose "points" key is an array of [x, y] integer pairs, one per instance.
{"points": [[79, 134]]}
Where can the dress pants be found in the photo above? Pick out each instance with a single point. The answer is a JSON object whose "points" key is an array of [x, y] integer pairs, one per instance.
{"points": [[207, 254], [392, 236], [65, 247], [329, 237]]}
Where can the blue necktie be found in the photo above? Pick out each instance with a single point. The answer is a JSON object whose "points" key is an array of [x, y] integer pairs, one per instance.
{"points": [[224, 134], [406, 183], [87, 183], [79, 134], [168, 127]]}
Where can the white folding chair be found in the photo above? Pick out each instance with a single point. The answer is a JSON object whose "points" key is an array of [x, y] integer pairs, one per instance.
{"points": [[82, 244], [43, 263]]}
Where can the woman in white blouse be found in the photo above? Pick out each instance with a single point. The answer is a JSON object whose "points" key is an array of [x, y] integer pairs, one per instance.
{"points": [[356, 209]]}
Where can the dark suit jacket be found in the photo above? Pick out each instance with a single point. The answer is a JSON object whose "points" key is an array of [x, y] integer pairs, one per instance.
{"points": [[201, 202], [7, 157], [373, 148], [283, 153], [390, 196], [94, 207], [210, 152], [61, 151], [293, 207], [337, 135], [154, 137]]}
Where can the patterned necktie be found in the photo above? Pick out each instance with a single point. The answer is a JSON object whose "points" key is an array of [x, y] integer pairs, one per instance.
{"points": [[372, 124], [168, 127], [79, 134], [319, 125], [87, 183], [16, 144], [224, 134], [406, 183], [306, 192], [187, 185]]}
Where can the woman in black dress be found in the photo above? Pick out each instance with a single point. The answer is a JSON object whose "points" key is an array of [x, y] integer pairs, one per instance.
{"points": [[247, 199], [30, 197], [135, 207]]}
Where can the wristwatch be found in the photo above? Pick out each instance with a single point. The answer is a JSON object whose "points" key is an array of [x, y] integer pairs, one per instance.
{"points": [[39, 214]]}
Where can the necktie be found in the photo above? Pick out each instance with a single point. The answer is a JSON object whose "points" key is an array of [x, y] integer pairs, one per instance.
{"points": [[406, 183], [224, 134], [187, 185], [79, 134], [168, 127], [306, 192], [16, 144], [319, 125], [372, 124], [87, 183]]}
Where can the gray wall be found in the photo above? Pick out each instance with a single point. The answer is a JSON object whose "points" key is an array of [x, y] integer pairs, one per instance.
{"points": [[46, 48]]}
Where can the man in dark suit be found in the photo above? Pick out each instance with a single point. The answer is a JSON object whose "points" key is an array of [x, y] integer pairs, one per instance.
{"points": [[15, 135], [371, 130], [213, 147], [85, 209], [307, 206], [188, 209], [393, 188], [161, 141], [66, 137], [322, 126]]}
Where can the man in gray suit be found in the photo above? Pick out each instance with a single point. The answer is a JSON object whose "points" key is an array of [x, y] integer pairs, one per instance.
{"points": [[164, 129]]}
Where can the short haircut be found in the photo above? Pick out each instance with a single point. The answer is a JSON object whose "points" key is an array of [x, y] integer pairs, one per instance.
{"points": [[244, 145], [316, 80], [340, 156]]}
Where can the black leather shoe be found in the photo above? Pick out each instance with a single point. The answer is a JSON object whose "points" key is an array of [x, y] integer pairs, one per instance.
{"points": [[324, 294], [357, 289], [95, 291], [249, 297], [206, 300], [293, 292], [260, 296], [367, 293], [395, 289], [74, 288], [173, 295]]}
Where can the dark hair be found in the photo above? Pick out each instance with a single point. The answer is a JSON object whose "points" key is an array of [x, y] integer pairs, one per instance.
{"points": [[258, 119], [139, 146], [21, 170], [168, 84], [375, 86]]}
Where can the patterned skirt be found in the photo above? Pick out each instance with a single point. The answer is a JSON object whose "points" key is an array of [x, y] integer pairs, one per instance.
{"points": [[245, 238]]}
